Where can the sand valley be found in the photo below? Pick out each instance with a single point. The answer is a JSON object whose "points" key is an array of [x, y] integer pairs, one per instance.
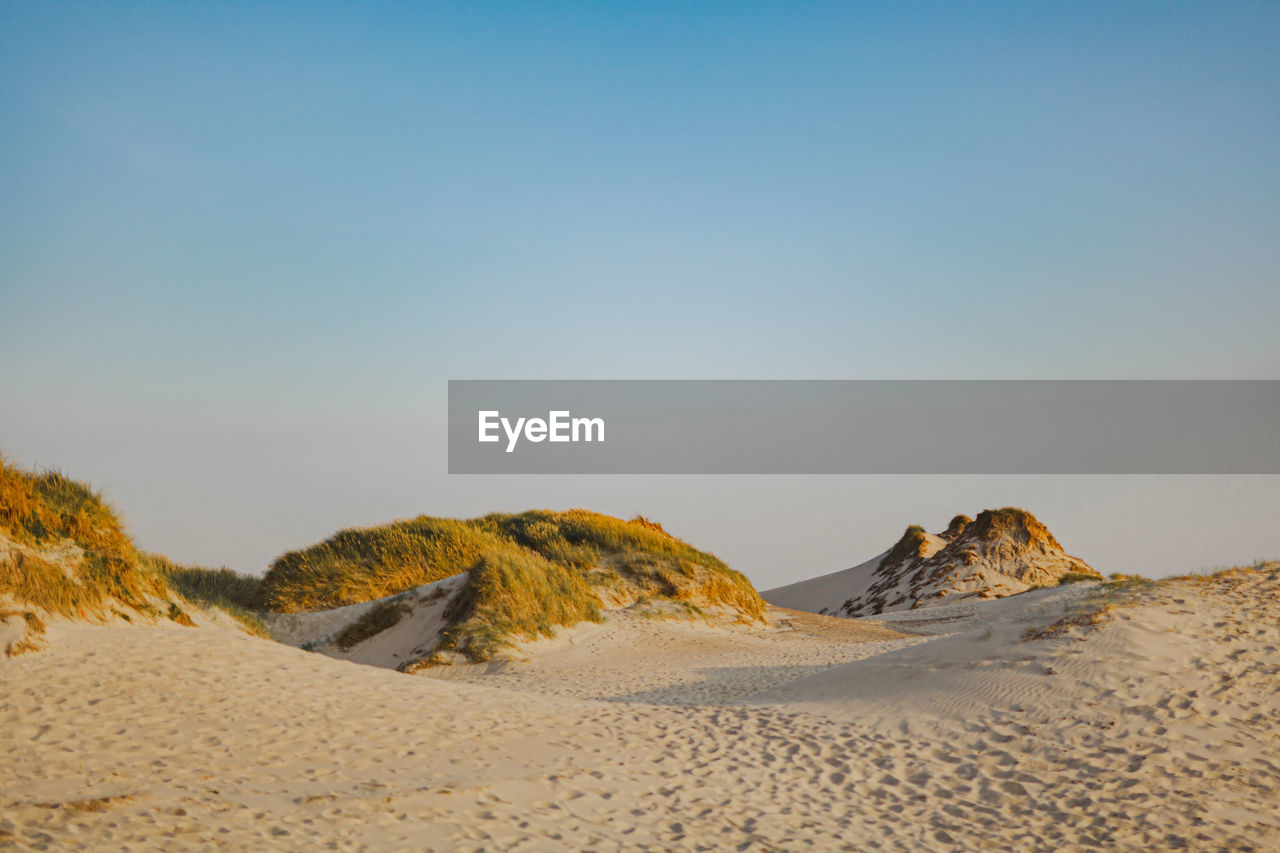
{"points": [[1034, 722]]}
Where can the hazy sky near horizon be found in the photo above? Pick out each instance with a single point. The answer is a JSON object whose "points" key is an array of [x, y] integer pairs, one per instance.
{"points": [[243, 247]]}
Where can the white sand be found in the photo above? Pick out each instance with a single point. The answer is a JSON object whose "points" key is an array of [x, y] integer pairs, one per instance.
{"points": [[630, 658], [412, 637], [827, 592], [1157, 730]]}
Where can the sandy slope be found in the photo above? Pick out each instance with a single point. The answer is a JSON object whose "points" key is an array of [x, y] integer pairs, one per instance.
{"points": [[405, 641], [1155, 730], [827, 591]]}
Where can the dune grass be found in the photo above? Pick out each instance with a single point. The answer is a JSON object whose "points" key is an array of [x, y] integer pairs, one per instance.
{"points": [[528, 572], [1067, 578], [637, 555], [35, 624], [1117, 582], [363, 564], [22, 647], [1084, 618], [379, 618], [200, 585], [912, 545], [1121, 590], [511, 595], [33, 627], [222, 588], [47, 511], [69, 554], [1094, 609]]}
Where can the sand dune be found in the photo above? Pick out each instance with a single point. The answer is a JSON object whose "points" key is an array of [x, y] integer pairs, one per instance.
{"points": [[1002, 552], [822, 593], [1153, 729]]}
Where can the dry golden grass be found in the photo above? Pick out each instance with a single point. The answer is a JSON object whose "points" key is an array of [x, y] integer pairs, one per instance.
{"points": [[363, 564], [33, 623], [512, 595], [33, 627], [911, 545], [43, 513], [1067, 578], [94, 804], [64, 551], [1227, 576], [1086, 619], [1095, 609], [22, 647], [528, 572], [222, 588]]}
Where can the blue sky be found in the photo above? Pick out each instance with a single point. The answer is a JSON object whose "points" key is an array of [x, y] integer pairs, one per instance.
{"points": [[243, 246]]}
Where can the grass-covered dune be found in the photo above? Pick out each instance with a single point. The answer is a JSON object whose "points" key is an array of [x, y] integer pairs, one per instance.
{"points": [[526, 572], [65, 552]]}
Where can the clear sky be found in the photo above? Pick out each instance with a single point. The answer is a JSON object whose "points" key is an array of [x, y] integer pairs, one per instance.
{"points": [[243, 246]]}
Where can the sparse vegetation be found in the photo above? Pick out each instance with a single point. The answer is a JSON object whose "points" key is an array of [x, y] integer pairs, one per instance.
{"points": [[177, 614], [998, 546], [631, 558], [1068, 578], [1120, 583], [35, 625], [1086, 619], [96, 804], [379, 618], [956, 527], [21, 647], [1095, 608], [1121, 590], [913, 544]]}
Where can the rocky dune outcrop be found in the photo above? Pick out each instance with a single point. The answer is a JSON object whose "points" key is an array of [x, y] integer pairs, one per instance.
{"points": [[1001, 552]]}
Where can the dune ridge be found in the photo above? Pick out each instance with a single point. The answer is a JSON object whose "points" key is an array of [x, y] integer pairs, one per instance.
{"points": [[521, 577]]}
